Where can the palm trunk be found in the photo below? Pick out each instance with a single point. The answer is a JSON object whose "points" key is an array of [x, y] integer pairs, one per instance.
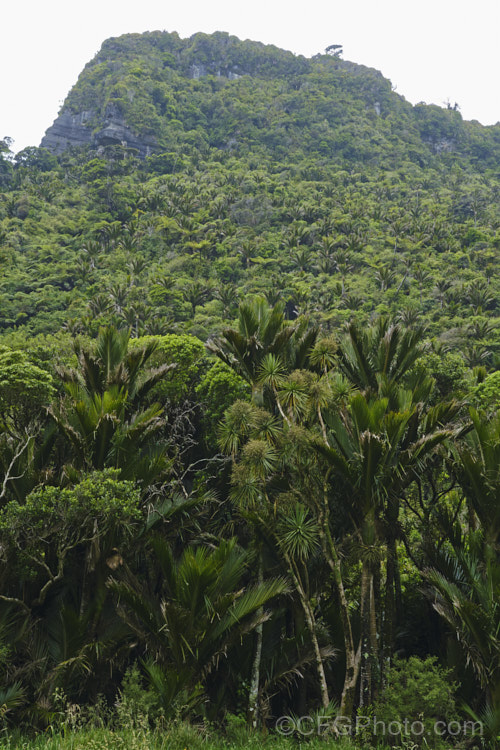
{"points": [[365, 676], [392, 603], [352, 653], [369, 636], [253, 696], [374, 631], [369, 626], [389, 615], [392, 607], [398, 593]]}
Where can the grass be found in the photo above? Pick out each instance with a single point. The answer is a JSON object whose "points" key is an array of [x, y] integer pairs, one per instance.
{"points": [[178, 737]]}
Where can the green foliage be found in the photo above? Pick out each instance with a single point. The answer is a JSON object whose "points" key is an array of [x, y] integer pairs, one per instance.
{"points": [[35, 159], [193, 620], [24, 388], [416, 690], [308, 181], [336, 248], [58, 538], [219, 387], [185, 354], [102, 417], [10, 699], [174, 736], [6, 170], [449, 372], [486, 395], [298, 533], [43, 534], [136, 705], [64, 517]]}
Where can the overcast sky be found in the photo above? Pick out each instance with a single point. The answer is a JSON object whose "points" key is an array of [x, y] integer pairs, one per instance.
{"points": [[432, 50]]}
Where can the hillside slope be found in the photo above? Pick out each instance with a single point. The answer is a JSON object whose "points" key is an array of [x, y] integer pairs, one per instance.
{"points": [[182, 175]]}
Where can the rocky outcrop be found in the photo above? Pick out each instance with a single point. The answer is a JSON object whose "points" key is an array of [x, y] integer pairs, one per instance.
{"points": [[198, 71], [115, 133], [68, 130], [441, 145], [76, 130]]}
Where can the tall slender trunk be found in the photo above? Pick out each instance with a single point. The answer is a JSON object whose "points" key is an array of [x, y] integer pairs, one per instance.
{"points": [[352, 652], [392, 602], [369, 630], [253, 695], [374, 639], [369, 637], [311, 626], [392, 605], [389, 613], [375, 628], [365, 671], [398, 593]]}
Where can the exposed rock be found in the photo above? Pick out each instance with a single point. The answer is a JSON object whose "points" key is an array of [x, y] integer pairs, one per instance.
{"points": [[441, 145], [76, 130], [197, 71], [115, 132], [68, 130]]}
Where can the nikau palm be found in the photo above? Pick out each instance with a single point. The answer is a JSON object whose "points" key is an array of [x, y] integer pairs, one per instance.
{"points": [[113, 362], [376, 454], [378, 360], [104, 417], [464, 580], [344, 470], [200, 610], [263, 331]]}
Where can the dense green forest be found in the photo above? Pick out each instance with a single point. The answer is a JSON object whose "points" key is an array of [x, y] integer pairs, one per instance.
{"points": [[249, 391]]}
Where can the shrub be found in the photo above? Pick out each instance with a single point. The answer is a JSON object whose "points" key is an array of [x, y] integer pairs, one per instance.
{"points": [[136, 705], [418, 693]]}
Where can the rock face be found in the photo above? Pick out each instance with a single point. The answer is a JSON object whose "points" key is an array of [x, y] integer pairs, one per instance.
{"points": [[76, 130], [68, 130], [198, 71]]}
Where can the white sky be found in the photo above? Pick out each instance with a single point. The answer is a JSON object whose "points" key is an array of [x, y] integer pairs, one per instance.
{"points": [[431, 50]]}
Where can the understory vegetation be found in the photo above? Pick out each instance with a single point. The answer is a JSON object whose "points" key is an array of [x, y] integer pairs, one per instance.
{"points": [[249, 412]]}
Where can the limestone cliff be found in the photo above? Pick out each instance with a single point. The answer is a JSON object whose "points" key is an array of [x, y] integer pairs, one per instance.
{"points": [[71, 129], [136, 90]]}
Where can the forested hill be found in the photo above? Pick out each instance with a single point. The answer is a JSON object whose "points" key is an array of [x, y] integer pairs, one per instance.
{"points": [[249, 408], [159, 92], [185, 174]]}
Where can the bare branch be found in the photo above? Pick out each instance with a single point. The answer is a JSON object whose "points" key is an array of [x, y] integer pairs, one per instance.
{"points": [[15, 600], [9, 477]]}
